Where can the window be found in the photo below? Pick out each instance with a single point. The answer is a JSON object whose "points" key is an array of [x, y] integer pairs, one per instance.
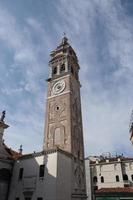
{"points": [[125, 177], [39, 198], [21, 173], [62, 69], [41, 170], [72, 70], [17, 198], [70, 52], [117, 178], [76, 75], [132, 177], [27, 198], [57, 136], [5, 174], [54, 70], [102, 179], [95, 179]]}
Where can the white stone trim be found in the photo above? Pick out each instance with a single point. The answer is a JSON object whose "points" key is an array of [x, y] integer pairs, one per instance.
{"points": [[60, 77], [59, 94]]}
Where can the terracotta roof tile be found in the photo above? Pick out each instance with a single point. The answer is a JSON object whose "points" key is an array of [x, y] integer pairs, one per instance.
{"points": [[115, 190], [13, 154]]}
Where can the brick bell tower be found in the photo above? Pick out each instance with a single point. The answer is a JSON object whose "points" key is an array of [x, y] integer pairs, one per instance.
{"points": [[63, 123]]}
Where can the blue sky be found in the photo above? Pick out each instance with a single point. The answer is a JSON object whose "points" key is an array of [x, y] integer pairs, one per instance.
{"points": [[100, 31]]}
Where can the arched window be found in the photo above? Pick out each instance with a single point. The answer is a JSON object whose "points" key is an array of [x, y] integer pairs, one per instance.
{"points": [[102, 179], [5, 174], [57, 137], [55, 70], [70, 52], [125, 177], [95, 179], [41, 170], [62, 68], [72, 70], [117, 178], [132, 177], [21, 171], [76, 75]]}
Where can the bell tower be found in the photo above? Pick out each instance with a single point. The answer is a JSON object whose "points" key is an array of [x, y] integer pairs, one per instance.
{"points": [[63, 122]]}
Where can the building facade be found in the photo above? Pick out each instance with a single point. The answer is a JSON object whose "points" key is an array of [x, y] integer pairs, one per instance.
{"points": [[109, 172], [41, 176]]}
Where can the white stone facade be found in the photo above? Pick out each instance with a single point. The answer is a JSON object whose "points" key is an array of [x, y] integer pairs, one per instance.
{"points": [[109, 172], [88, 179], [30, 185], [57, 183]]}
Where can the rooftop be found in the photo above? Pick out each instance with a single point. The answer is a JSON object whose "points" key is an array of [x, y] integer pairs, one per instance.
{"points": [[115, 190]]}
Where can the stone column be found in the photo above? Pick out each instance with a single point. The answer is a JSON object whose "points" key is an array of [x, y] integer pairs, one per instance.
{"points": [[50, 71]]}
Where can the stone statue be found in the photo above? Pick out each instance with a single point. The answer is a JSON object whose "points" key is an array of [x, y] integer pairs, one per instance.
{"points": [[21, 149], [3, 116]]}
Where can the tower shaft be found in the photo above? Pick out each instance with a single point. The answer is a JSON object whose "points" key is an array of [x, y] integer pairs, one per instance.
{"points": [[63, 125]]}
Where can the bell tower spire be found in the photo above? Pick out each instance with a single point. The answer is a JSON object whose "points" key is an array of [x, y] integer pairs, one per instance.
{"points": [[63, 124]]}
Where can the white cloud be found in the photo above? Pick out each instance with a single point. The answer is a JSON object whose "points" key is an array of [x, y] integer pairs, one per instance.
{"points": [[26, 53], [24, 95], [10, 91]]}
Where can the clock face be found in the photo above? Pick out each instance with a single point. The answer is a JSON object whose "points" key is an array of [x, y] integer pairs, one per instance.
{"points": [[58, 87]]}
